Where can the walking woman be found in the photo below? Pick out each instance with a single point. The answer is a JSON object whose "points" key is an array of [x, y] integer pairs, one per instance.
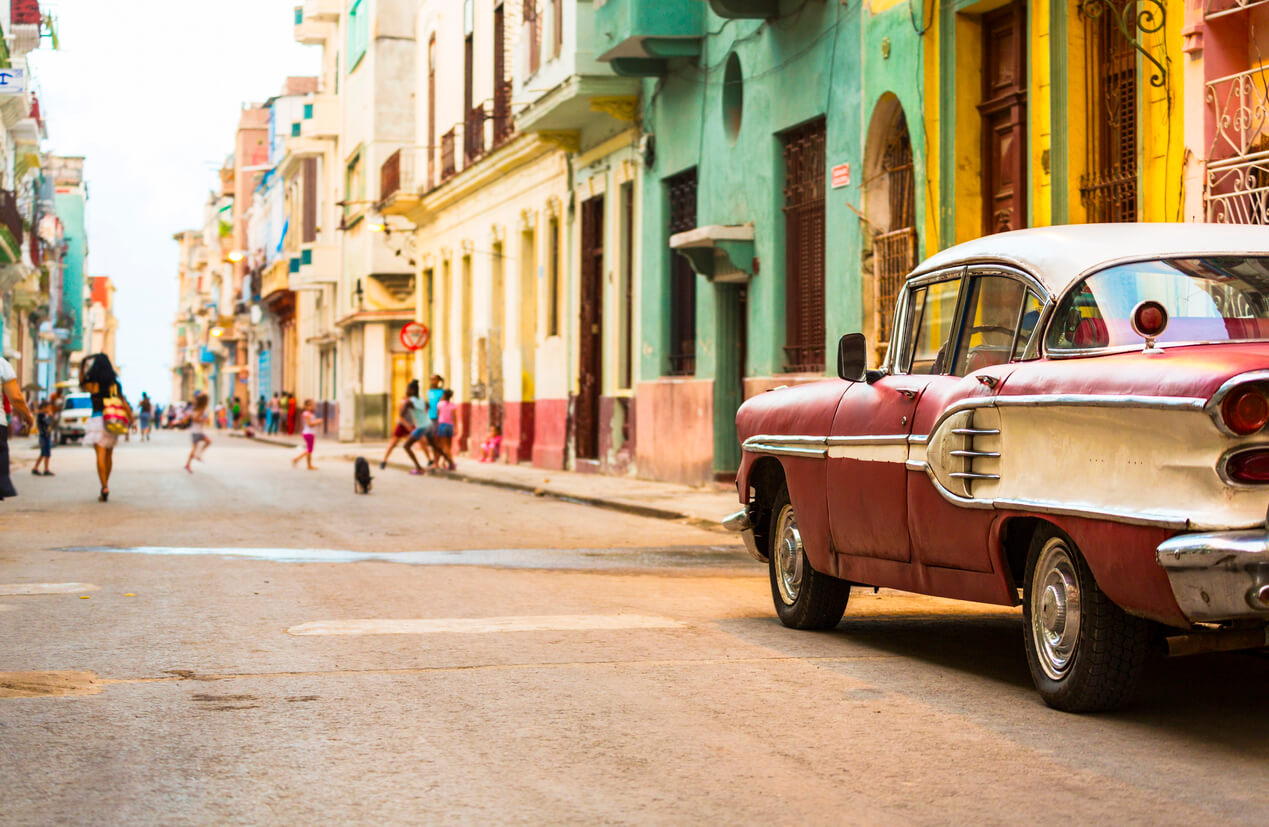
{"points": [[13, 400], [405, 421], [97, 376]]}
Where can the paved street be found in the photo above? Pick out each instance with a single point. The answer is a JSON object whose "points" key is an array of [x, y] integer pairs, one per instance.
{"points": [[254, 643]]}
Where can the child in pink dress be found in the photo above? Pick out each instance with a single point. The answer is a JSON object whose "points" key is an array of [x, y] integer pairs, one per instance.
{"points": [[308, 434], [445, 428]]}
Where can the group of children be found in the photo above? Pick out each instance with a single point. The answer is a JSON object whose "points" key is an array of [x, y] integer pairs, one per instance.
{"points": [[426, 420], [198, 418]]}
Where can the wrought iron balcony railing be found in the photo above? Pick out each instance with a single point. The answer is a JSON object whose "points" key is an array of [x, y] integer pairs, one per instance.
{"points": [[474, 134], [504, 127], [449, 159], [1236, 189]]}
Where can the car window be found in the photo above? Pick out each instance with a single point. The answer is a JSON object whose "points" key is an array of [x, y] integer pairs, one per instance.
{"points": [[76, 402], [1028, 344], [992, 314], [933, 317]]}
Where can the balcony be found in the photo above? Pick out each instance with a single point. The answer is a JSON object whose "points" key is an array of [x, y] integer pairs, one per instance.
{"points": [[639, 37], [10, 229], [745, 9], [1236, 189], [474, 135], [504, 127], [401, 184], [321, 117], [1216, 9], [449, 160], [315, 22], [319, 264]]}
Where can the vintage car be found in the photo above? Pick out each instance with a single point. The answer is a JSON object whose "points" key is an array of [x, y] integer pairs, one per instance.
{"points": [[1070, 418]]}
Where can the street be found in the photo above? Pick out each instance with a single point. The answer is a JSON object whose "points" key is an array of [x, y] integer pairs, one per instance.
{"points": [[253, 643]]}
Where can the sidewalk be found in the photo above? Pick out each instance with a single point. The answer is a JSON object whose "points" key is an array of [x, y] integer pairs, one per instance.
{"points": [[704, 507]]}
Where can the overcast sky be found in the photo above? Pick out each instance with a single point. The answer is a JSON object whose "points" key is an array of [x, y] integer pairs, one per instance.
{"points": [[149, 92]]}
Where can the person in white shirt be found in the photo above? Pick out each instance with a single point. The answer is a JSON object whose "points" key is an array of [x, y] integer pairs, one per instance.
{"points": [[15, 401]]}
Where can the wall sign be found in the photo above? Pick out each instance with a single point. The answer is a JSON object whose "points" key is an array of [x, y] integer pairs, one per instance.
{"points": [[415, 336], [841, 176]]}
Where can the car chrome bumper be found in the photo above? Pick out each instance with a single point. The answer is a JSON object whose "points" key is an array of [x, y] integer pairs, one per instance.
{"points": [[740, 522], [1220, 575]]}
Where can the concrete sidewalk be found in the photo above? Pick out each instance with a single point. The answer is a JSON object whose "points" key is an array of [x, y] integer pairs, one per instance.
{"points": [[703, 506]]}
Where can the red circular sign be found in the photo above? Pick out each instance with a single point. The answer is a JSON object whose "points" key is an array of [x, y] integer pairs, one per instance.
{"points": [[415, 336]]}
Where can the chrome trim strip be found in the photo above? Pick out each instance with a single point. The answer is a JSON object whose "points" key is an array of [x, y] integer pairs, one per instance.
{"points": [[793, 439], [1070, 511], [1213, 406], [885, 439], [970, 475], [983, 454], [919, 440], [916, 465], [1096, 400], [976, 432], [785, 451]]}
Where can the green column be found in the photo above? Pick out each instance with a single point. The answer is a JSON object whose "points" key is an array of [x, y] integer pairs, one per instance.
{"points": [[729, 362]]}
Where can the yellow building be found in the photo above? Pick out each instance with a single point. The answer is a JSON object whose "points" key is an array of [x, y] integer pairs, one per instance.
{"points": [[1043, 113]]}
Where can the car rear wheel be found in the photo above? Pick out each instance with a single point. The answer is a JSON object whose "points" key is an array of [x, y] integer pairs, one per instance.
{"points": [[804, 598], [1085, 653]]}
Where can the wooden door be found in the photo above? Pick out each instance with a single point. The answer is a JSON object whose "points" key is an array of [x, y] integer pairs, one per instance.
{"points": [[1004, 115], [590, 329]]}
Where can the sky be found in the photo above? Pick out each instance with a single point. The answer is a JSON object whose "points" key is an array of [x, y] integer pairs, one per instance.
{"points": [[149, 92]]}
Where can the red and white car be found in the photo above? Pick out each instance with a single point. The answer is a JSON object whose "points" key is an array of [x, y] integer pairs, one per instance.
{"points": [[1070, 418]]}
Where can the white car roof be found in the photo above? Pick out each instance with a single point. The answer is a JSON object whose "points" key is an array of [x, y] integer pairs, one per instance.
{"points": [[1058, 256]]}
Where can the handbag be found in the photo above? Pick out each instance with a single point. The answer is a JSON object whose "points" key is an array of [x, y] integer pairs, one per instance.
{"points": [[114, 415]]}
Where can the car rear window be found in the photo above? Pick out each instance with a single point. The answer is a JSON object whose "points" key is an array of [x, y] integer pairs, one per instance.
{"points": [[1209, 299], [78, 402]]}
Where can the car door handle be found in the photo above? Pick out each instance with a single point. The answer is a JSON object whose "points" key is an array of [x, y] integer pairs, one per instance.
{"points": [[989, 381], [910, 393]]}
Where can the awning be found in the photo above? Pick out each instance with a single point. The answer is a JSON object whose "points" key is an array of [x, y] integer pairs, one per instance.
{"points": [[719, 253]]}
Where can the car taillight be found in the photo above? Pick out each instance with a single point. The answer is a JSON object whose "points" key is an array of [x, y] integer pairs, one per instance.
{"points": [[1249, 467], [1245, 411]]}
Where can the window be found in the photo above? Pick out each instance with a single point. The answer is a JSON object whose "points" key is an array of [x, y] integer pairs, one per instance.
{"points": [[358, 32], [431, 112], [553, 294], [533, 33], [933, 315], [354, 186], [295, 130], [557, 16], [804, 247], [681, 189], [1216, 299], [991, 320], [1109, 188], [308, 111]]}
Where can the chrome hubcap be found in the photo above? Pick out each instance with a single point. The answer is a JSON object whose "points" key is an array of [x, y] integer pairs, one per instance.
{"points": [[1055, 610], [788, 556]]}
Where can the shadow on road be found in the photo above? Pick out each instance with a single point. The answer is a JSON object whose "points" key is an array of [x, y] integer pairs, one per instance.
{"points": [[1216, 700]]}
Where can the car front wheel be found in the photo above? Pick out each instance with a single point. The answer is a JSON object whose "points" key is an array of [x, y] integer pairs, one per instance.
{"points": [[804, 598], [1085, 653]]}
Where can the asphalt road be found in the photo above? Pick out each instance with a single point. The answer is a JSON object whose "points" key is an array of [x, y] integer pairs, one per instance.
{"points": [[257, 644]]}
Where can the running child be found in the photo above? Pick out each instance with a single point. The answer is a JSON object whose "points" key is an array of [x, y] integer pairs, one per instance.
{"points": [[197, 420]]}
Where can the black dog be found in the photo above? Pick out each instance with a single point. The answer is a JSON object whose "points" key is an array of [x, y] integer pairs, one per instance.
{"points": [[361, 476]]}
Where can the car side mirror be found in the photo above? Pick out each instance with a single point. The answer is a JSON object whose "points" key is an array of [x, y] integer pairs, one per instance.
{"points": [[852, 357]]}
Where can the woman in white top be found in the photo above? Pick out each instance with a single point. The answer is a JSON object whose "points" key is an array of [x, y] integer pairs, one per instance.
{"points": [[12, 398]]}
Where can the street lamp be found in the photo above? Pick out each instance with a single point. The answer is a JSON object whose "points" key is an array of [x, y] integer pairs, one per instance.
{"points": [[236, 256], [217, 331]]}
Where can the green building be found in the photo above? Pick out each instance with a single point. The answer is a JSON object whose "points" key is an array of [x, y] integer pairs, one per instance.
{"points": [[781, 140]]}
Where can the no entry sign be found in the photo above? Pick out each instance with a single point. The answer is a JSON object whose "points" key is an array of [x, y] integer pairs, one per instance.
{"points": [[415, 336]]}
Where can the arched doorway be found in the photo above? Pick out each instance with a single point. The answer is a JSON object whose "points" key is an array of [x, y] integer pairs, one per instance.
{"points": [[889, 206]]}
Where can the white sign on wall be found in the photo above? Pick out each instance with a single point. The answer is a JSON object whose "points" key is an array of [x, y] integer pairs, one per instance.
{"points": [[12, 81]]}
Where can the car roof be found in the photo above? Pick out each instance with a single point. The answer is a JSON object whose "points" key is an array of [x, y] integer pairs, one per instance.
{"points": [[1058, 256]]}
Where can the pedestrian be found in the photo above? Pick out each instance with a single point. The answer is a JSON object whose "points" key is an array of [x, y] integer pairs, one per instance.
{"points": [[261, 407], [196, 418], [235, 408], [445, 410], [272, 425], [147, 412], [158, 417], [13, 403], [310, 436], [97, 376], [44, 425], [424, 429], [492, 446], [290, 412], [405, 421]]}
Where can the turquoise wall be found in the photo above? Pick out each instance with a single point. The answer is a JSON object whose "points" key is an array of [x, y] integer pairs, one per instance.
{"points": [[70, 208], [817, 59]]}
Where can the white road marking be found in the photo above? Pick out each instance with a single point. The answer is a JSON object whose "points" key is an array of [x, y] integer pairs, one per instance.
{"points": [[47, 588], [484, 625]]}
